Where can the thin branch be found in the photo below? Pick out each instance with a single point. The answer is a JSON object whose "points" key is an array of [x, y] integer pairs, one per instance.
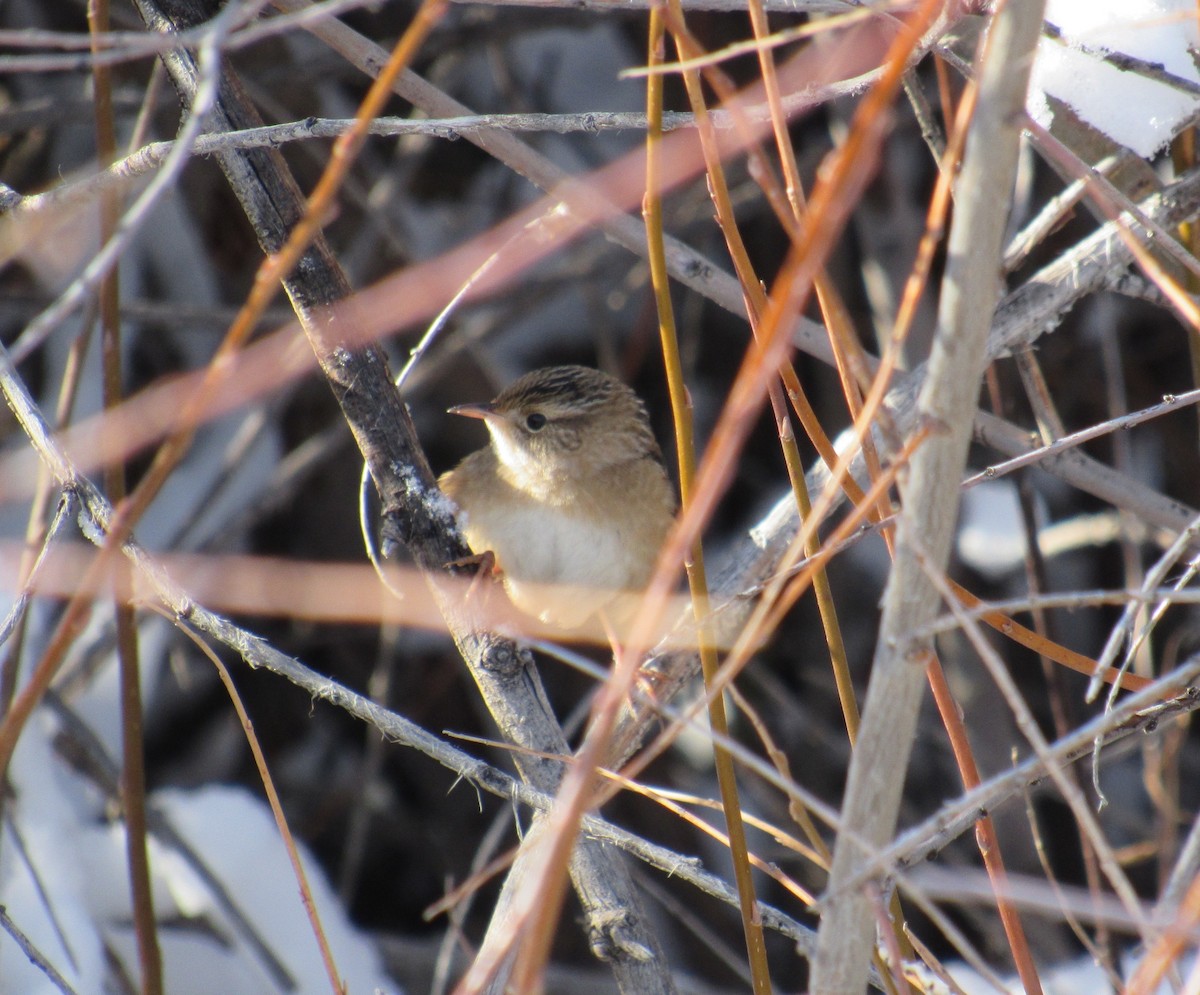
{"points": [[133, 752], [1126, 63], [257, 653], [35, 956], [86, 753], [1088, 475], [151, 156], [289, 842], [685, 445], [99, 264], [1143, 711], [1071, 600], [962, 886], [1170, 402], [607, 7], [63, 517]]}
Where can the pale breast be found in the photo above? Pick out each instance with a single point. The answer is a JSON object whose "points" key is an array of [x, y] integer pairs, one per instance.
{"points": [[566, 560], [557, 566]]}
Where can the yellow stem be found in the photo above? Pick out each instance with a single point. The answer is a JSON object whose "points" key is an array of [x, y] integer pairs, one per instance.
{"points": [[685, 446]]}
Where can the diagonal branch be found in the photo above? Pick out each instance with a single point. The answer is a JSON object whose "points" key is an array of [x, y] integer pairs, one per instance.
{"points": [[414, 510]]}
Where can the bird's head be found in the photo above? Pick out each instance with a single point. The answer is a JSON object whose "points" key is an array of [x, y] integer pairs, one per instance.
{"points": [[562, 423]]}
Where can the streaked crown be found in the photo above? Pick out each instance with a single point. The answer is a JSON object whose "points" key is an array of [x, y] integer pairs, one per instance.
{"points": [[566, 420]]}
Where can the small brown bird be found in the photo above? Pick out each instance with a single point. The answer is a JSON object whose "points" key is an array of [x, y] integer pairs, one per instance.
{"points": [[571, 496]]}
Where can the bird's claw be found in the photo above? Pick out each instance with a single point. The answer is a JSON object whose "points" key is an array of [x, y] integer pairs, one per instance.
{"points": [[480, 564]]}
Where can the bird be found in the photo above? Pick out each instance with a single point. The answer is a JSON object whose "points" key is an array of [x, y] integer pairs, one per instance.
{"points": [[570, 496]]}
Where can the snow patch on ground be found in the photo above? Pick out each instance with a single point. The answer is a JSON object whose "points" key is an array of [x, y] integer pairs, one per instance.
{"points": [[63, 880]]}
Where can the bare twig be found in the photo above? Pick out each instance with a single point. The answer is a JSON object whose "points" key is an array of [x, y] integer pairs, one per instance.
{"points": [[202, 100], [35, 956], [86, 752], [95, 513], [1170, 402], [605, 6], [1127, 63], [414, 511], [1142, 711]]}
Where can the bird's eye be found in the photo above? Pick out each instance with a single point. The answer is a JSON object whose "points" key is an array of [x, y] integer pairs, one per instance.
{"points": [[535, 422]]}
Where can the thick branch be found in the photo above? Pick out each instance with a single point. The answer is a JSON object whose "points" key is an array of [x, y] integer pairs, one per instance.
{"points": [[414, 510], [930, 498]]}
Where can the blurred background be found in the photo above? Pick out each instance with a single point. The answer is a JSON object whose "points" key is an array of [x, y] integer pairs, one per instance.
{"points": [[391, 829]]}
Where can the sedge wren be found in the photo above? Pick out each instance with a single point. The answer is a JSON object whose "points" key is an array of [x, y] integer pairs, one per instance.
{"points": [[570, 497]]}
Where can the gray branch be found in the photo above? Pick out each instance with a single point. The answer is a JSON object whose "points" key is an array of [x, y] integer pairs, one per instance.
{"points": [[36, 957], [95, 516], [414, 510], [607, 6], [947, 400]]}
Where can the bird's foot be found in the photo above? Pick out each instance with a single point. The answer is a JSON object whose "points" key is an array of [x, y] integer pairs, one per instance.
{"points": [[479, 564], [483, 571], [648, 684]]}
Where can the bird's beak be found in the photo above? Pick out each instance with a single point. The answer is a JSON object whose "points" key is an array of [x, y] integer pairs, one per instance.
{"points": [[484, 411]]}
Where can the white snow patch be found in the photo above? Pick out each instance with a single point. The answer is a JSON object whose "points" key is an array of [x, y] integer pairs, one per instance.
{"points": [[1138, 112], [991, 537], [66, 887], [1078, 977]]}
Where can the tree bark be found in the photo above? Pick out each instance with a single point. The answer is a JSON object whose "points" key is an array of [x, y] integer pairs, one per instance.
{"points": [[970, 290], [414, 510]]}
